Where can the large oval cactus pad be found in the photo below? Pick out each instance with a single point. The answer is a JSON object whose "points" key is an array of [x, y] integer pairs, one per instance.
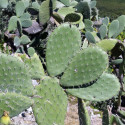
{"points": [[85, 67], [50, 103], [103, 89], [62, 44]]}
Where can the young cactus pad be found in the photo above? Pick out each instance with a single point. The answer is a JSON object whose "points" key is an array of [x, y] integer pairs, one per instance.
{"points": [[14, 75], [50, 104], [85, 67], [14, 103], [103, 89], [62, 44]]}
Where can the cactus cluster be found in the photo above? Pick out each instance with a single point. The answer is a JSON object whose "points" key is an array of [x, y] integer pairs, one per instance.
{"points": [[58, 43]]}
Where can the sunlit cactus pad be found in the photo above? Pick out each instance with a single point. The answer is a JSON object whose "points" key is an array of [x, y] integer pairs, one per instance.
{"points": [[85, 67], [62, 44], [14, 75], [107, 44], [50, 103], [14, 103], [103, 89]]}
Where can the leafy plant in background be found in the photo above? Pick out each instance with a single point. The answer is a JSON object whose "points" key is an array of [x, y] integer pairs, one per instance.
{"points": [[65, 46]]}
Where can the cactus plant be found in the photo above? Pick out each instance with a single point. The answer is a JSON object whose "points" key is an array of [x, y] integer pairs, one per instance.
{"points": [[31, 51], [100, 90], [20, 7], [107, 44], [62, 44], [46, 10], [12, 23], [103, 31], [50, 102], [106, 117], [26, 20], [14, 76], [85, 67], [3, 3], [84, 8], [66, 10], [90, 37], [83, 113], [105, 21], [113, 27], [121, 20], [14, 103], [35, 66], [88, 25]]}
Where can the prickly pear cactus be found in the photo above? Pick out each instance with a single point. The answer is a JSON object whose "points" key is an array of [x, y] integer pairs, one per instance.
{"points": [[46, 10], [83, 113], [14, 76], [50, 104], [103, 31], [35, 66], [103, 89], [62, 44], [107, 44], [113, 28], [85, 67], [14, 103]]}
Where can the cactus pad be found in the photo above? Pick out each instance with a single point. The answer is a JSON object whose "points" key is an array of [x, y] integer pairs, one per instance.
{"points": [[103, 89], [35, 67], [14, 75], [103, 31], [85, 67], [113, 28], [14, 103], [50, 103], [62, 44], [107, 44]]}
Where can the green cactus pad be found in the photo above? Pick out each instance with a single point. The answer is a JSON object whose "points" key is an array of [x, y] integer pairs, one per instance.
{"points": [[103, 31], [103, 89], [84, 8], [62, 44], [12, 23], [105, 21], [26, 20], [74, 18], [113, 27], [88, 25], [35, 67], [85, 67], [65, 2], [107, 44], [3, 3], [46, 10], [31, 51], [50, 103], [66, 10], [14, 76], [14, 103], [84, 117], [106, 117], [121, 20], [90, 37], [20, 8]]}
